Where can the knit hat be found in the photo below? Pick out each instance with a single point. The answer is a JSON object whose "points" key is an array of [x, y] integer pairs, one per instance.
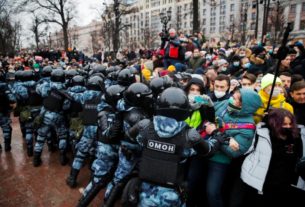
{"points": [[146, 74], [199, 71], [171, 68], [197, 81], [267, 80]]}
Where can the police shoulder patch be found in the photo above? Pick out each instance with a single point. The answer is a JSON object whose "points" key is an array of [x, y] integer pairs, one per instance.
{"points": [[161, 146]]}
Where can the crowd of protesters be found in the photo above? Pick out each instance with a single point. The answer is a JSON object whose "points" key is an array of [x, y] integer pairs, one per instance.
{"points": [[183, 125]]}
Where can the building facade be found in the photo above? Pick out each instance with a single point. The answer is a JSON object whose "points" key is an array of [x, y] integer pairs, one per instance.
{"points": [[87, 39], [236, 20]]}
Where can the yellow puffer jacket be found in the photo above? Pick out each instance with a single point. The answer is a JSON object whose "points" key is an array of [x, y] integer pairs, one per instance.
{"points": [[279, 102]]}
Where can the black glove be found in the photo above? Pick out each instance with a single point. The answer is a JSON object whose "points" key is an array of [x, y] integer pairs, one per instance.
{"points": [[220, 137], [130, 196], [127, 152]]}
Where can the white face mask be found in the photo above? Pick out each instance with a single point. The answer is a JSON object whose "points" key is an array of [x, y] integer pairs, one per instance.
{"points": [[236, 64], [257, 88], [219, 94], [276, 92], [223, 68]]}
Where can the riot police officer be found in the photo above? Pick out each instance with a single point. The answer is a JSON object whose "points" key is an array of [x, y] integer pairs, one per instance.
{"points": [[167, 144], [107, 147]]}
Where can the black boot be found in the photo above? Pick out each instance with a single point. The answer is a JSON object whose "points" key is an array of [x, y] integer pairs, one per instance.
{"points": [[30, 151], [63, 158], [7, 146], [51, 147], [71, 180], [114, 195], [37, 159], [86, 200]]}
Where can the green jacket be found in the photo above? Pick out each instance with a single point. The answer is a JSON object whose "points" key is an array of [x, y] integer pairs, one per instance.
{"points": [[250, 103]]}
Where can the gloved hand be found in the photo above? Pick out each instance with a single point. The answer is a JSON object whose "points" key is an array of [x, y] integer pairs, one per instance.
{"points": [[202, 100], [220, 137]]}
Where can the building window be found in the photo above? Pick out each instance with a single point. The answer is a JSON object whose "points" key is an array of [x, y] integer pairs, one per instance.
{"points": [[252, 26], [231, 17], [302, 25], [253, 16], [303, 7], [232, 7], [293, 8], [203, 11]]}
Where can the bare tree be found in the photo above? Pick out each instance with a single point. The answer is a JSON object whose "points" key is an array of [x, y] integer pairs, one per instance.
{"points": [[36, 22], [9, 30], [113, 16], [276, 22], [196, 24], [60, 12], [149, 38]]}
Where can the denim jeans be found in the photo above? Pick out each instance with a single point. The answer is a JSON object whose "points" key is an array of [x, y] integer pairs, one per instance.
{"points": [[196, 178], [215, 178]]}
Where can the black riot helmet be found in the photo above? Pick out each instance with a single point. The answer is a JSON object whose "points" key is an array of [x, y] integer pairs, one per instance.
{"points": [[70, 73], [158, 85], [58, 75], [112, 69], [99, 69], [114, 93], [125, 77], [10, 75], [18, 75], [95, 83], [28, 75], [173, 103], [2, 76], [138, 94], [78, 80], [133, 70], [46, 71]]}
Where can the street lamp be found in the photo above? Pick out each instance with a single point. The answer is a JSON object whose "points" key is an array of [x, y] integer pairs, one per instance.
{"points": [[165, 18]]}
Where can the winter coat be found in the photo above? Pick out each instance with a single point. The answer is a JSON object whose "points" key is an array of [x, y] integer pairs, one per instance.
{"points": [[255, 166], [279, 102], [250, 103]]}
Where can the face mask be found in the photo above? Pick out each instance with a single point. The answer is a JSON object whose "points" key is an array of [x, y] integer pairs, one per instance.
{"points": [[219, 94], [247, 65], [236, 64], [287, 131], [231, 107], [257, 88], [276, 92], [196, 55], [248, 87], [242, 55], [223, 68]]}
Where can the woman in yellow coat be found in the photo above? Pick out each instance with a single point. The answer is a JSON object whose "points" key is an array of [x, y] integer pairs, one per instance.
{"points": [[278, 99]]}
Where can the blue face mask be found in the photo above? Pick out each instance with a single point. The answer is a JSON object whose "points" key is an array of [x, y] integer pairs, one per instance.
{"points": [[247, 65], [231, 107]]}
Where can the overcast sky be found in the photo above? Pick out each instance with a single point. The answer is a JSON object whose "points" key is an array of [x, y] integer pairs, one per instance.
{"points": [[87, 10]]}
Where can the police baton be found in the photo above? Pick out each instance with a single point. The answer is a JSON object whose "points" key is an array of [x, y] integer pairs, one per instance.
{"points": [[281, 54]]}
